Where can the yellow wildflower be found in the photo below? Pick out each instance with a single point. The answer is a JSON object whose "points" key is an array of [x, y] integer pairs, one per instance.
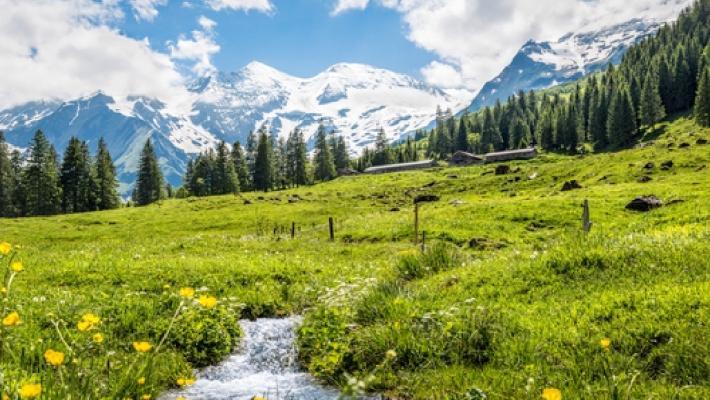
{"points": [[5, 248], [3, 290], [141, 381], [88, 322], [258, 398], [207, 301], [551, 394], [180, 398], [187, 292], [12, 319], [605, 343], [5, 396], [55, 358], [98, 338], [142, 347], [182, 382], [146, 397], [390, 354], [30, 390], [17, 266]]}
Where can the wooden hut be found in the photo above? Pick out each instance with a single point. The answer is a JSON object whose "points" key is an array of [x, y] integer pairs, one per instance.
{"points": [[462, 159], [520, 154], [384, 169]]}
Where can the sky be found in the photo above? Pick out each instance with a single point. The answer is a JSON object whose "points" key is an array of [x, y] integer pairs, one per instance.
{"points": [[61, 49]]}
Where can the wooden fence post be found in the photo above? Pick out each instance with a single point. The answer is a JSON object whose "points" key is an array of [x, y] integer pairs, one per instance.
{"points": [[423, 241], [293, 230], [586, 223], [332, 232], [416, 224]]}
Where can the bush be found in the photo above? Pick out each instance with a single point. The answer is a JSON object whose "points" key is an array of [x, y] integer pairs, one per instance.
{"points": [[439, 257], [206, 337]]}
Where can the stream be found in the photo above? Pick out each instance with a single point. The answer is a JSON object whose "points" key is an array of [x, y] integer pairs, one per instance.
{"points": [[265, 365]]}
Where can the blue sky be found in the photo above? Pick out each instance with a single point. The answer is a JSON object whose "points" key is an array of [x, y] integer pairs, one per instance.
{"points": [[300, 37]]}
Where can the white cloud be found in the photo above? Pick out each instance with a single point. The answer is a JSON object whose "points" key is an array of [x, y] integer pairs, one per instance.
{"points": [[206, 23], [245, 5], [63, 49], [345, 5], [147, 9], [480, 37], [198, 49], [442, 75]]}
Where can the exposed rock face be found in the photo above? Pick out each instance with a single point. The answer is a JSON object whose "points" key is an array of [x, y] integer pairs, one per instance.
{"points": [[644, 203]]}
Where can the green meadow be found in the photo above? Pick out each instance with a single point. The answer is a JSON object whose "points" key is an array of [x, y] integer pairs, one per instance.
{"points": [[508, 298]]}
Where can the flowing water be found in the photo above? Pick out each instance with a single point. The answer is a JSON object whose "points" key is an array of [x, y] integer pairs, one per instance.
{"points": [[265, 365]]}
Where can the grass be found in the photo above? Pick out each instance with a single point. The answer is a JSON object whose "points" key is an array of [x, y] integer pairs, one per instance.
{"points": [[509, 298]]}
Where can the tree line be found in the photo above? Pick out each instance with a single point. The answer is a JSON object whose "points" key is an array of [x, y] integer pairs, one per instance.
{"points": [[265, 163], [663, 75], [39, 183]]}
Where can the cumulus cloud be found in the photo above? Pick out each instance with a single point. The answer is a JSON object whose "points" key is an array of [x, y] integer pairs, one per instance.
{"points": [[345, 5], [146, 9], [443, 75], [245, 5], [198, 49], [480, 37], [63, 49]]}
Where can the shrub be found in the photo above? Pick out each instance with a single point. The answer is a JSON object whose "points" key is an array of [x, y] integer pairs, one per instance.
{"points": [[205, 337]]}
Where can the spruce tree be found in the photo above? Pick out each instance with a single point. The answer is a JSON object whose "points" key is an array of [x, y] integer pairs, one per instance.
{"points": [[240, 166], [41, 178], [107, 197], [149, 184], [78, 185], [342, 158], [300, 176], [650, 104], [19, 194], [462, 136], [702, 99], [263, 173], [519, 134], [7, 180], [323, 159], [621, 125], [382, 154], [226, 180]]}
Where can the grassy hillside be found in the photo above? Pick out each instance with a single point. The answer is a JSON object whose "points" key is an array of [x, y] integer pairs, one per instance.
{"points": [[509, 298]]}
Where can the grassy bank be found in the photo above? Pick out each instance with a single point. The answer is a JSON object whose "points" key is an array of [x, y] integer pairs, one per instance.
{"points": [[510, 297]]}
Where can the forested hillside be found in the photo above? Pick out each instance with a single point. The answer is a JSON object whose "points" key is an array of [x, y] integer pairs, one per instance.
{"points": [[662, 76]]}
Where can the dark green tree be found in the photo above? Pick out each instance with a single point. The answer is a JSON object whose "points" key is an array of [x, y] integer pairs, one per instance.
{"points": [[7, 180], [323, 159], [383, 154], [702, 99], [149, 184], [240, 166], [225, 177], [43, 196], [621, 125], [462, 136], [650, 104], [77, 180], [263, 166], [107, 197]]}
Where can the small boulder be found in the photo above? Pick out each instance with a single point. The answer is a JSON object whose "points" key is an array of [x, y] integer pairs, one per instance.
{"points": [[701, 141], [453, 177], [644, 203], [502, 169], [247, 201], [644, 179], [394, 209], [649, 166], [683, 145], [667, 165], [457, 202], [294, 199], [571, 185], [426, 198]]}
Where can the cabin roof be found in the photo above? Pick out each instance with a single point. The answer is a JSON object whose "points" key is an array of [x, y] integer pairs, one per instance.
{"points": [[512, 152], [415, 164]]}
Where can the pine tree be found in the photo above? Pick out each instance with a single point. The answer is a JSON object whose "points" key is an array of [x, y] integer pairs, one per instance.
{"points": [[240, 166], [19, 195], [41, 178], [107, 197], [519, 134], [650, 104], [546, 132], [323, 159], [462, 136], [77, 181], [342, 158], [382, 154], [263, 167], [252, 142], [300, 176], [149, 184], [226, 180], [7, 180], [490, 137], [621, 125], [702, 99]]}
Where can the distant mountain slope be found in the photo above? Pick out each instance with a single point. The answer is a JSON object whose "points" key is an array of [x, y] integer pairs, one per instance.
{"points": [[539, 65], [354, 99]]}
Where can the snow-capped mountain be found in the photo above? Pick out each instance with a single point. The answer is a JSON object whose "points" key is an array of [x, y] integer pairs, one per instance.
{"points": [[353, 99], [539, 65]]}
